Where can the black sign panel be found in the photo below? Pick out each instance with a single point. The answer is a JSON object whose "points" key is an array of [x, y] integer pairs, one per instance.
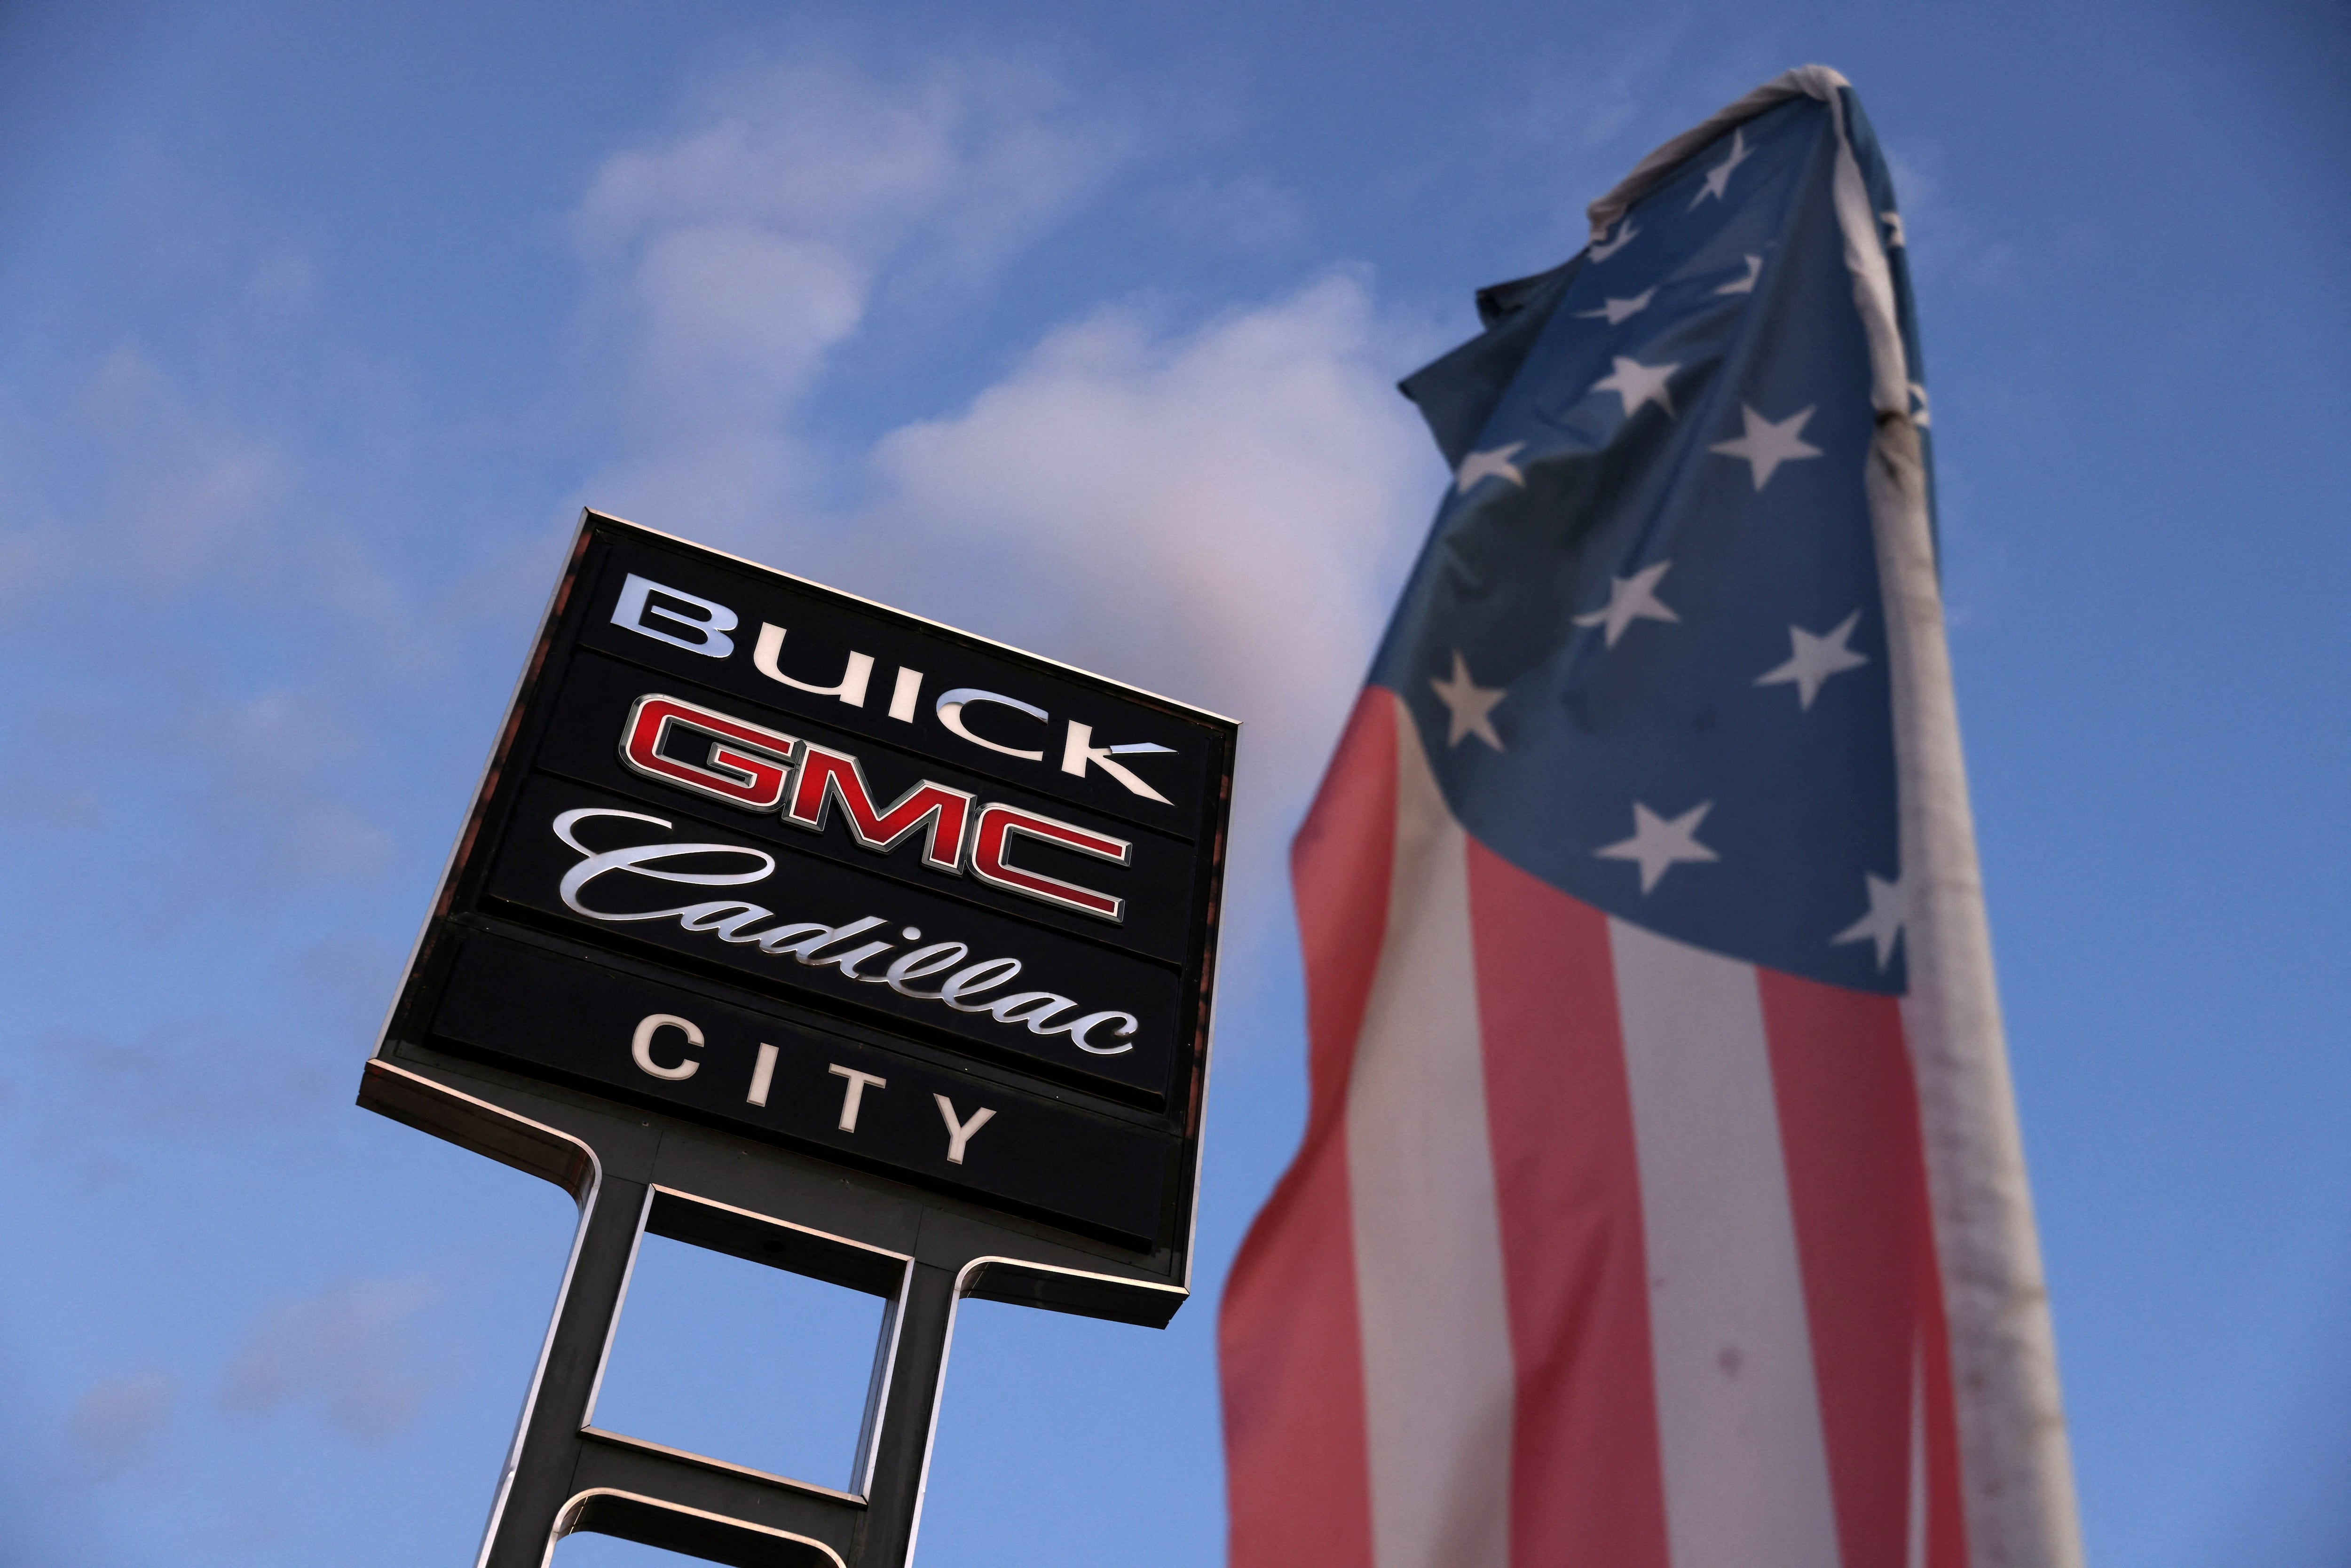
{"points": [[772, 858]]}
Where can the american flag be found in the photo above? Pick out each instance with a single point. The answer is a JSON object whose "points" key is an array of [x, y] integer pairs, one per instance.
{"points": [[1661, 1202]]}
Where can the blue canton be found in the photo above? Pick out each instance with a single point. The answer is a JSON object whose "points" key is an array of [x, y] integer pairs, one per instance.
{"points": [[1644, 645]]}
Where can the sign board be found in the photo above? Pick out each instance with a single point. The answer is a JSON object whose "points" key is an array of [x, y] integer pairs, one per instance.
{"points": [[800, 929], [773, 860]]}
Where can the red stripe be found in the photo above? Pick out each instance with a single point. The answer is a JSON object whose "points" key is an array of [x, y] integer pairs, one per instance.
{"points": [[1858, 1181], [1947, 1529], [1299, 1483], [1586, 1482]]}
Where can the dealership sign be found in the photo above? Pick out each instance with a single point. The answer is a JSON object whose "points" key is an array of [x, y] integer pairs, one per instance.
{"points": [[792, 872]]}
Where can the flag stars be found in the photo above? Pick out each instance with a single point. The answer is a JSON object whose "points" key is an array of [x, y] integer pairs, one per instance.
{"points": [[1625, 232], [1745, 285], [1619, 311], [1766, 443], [1631, 599], [1468, 706], [1890, 910], [1815, 660], [1717, 179], [1638, 383], [1660, 844], [1495, 465]]}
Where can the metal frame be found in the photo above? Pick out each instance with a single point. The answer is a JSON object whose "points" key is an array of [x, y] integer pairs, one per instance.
{"points": [[634, 1171], [777, 1244]]}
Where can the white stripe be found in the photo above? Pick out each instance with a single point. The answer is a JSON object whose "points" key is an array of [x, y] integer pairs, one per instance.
{"points": [[1739, 1418], [1916, 1556], [1428, 1250]]}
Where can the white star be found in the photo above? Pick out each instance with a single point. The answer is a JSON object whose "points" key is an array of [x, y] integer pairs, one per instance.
{"points": [[1745, 285], [1766, 445], [1624, 233], [1815, 659], [1469, 705], [1630, 598], [1893, 222], [1657, 843], [1717, 179], [1619, 310], [1497, 463], [1637, 383], [1890, 909]]}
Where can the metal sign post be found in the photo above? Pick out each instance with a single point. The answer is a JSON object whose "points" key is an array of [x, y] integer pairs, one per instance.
{"points": [[794, 928]]}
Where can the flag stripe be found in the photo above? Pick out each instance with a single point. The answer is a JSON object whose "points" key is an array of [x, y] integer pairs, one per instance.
{"points": [[1945, 1537], [1746, 1473], [1341, 865], [1299, 1489], [1298, 1479], [1428, 1257], [1585, 1482], [1849, 1122]]}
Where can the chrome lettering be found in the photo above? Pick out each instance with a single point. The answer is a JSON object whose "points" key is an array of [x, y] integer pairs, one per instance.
{"points": [[1078, 753], [853, 1097], [908, 687], [819, 938], [640, 859], [709, 628], [849, 689], [734, 920], [920, 964], [950, 711], [1031, 1007], [763, 1074], [959, 1131], [726, 918], [1078, 1029], [640, 1045], [983, 976]]}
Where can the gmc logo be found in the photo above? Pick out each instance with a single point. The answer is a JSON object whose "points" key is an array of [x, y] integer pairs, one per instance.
{"points": [[754, 768]]}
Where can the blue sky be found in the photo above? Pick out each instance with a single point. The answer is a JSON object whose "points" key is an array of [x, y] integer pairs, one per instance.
{"points": [[1076, 326]]}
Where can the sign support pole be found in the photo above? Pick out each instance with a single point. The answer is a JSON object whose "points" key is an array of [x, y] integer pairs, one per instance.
{"points": [[565, 1474]]}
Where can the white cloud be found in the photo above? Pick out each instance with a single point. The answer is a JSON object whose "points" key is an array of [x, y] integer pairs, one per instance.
{"points": [[203, 1074], [731, 259], [127, 478], [1211, 512], [346, 1350], [113, 1425], [270, 765], [1250, 215], [189, 490], [1221, 515], [979, 153]]}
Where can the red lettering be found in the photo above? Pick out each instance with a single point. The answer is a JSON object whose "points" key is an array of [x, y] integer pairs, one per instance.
{"points": [[992, 842], [941, 814], [755, 769], [750, 772]]}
